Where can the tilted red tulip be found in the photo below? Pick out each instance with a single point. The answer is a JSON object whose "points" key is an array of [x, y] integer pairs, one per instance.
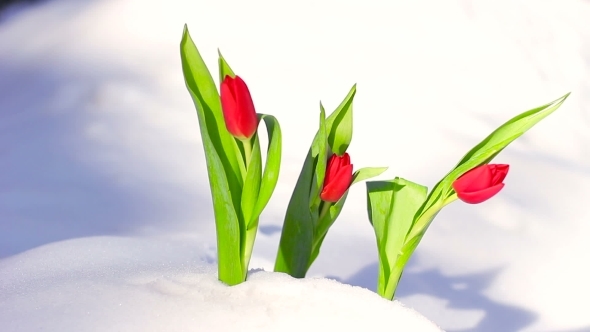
{"points": [[338, 178], [238, 108], [480, 183]]}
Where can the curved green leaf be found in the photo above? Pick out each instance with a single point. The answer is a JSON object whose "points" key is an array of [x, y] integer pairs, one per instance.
{"points": [[224, 174], [272, 166], [319, 152], [367, 173], [491, 146], [339, 124], [251, 188]]}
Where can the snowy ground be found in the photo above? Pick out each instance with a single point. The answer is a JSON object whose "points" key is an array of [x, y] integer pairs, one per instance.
{"points": [[98, 136]]}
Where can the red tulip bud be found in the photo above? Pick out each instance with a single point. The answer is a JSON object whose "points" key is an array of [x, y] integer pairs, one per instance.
{"points": [[480, 183], [338, 178], [238, 108]]}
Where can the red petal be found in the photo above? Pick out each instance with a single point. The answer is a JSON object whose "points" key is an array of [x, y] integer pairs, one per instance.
{"points": [[331, 169], [499, 172], [229, 106], [477, 178], [246, 116], [345, 159], [480, 196], [238, 108], [334, 189]]}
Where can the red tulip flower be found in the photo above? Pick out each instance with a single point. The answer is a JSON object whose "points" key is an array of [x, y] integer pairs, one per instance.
{"points": [[238, 108], [338, 178], [480, 183]]}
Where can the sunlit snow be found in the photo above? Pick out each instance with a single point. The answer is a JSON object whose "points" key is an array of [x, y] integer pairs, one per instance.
{"points": [[104, 196]]}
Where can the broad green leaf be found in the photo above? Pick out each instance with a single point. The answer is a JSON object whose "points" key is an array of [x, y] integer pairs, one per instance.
{"points": [[200, 82], [272, 166], [224, 174], [367, 173], [297, 235], [379, 204], [296, 242], [407, 199], [339, 125], [392, 206]]}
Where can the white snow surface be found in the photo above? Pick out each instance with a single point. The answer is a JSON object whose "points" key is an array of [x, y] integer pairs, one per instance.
{"points": [[99, 148], [165, 291]]}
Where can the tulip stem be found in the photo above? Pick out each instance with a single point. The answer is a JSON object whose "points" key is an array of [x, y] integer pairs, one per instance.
{"points": [[324, 210], [247, 144], [450, 199]]}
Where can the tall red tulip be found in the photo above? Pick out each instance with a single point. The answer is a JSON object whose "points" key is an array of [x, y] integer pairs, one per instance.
{"points": [[238, 108], [480, 183], [338, 178]]}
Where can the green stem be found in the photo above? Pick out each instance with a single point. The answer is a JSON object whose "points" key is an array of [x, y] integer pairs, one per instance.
{"points": [[424, 220], [250, 237], [247, 144], [322, 226], [450, 199], [324, 210]]}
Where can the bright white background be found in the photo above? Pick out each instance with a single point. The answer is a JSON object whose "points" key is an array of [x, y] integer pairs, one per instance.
{"points": [[98, 135]]}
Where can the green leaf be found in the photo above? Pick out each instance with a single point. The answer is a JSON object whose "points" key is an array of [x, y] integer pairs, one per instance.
{"points": [[379, 204], [222, 166], [297, 235], [267, 182], [513, 128], [296, 241], [339, 125], [367, 173], [272, 166], [296, 248], [319, 152], [392, 206], [407, 199], [251, 188], [200, 83], [224, 68], [324, 224], [483, 153]]}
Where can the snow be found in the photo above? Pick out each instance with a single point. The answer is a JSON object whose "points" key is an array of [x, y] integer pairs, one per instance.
{"points": [[98, 137], [174, 289]]}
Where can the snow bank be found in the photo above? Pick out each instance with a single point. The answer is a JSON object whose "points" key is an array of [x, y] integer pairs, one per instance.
{"points": [[131, 284]]}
